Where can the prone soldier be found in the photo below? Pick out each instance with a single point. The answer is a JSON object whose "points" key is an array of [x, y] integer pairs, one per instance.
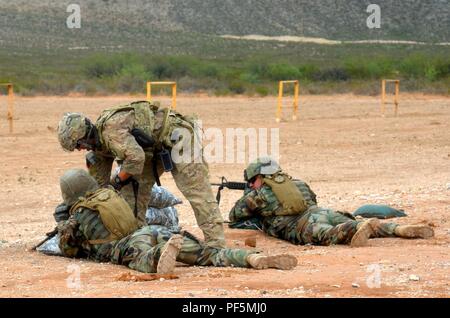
{"points": [[288, 210], [99, 224]]}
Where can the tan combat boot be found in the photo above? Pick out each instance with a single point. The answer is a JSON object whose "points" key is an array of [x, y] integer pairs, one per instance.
{"points": [[261, 261], [414, 231], [364, 231], [169, 253]]}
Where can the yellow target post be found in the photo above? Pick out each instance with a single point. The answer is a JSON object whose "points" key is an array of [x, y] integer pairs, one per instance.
{"points": [[383, 95], [280, 99], [10, 115], [174, 91]]}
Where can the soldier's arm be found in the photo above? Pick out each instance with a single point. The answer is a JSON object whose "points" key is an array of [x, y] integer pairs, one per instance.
{"points": [[99, 167], [240, 211], [122, 144], [250, 205], [311, 192], [70, 238], [305, 189]]}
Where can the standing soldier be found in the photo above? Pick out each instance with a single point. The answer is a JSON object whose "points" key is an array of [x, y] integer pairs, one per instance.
{"points": [[288, 210], [140, 137]]}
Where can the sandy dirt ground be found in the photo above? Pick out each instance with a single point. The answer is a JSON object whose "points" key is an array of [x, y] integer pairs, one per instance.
{"points": [[341, 145]]}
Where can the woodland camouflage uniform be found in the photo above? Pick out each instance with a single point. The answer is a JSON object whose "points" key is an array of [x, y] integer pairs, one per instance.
{"points": [[314, 225], [101, 227], [140, 250]]}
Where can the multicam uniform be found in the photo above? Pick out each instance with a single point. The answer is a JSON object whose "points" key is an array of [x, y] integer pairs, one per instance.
{"points": [[192, 178], [85, 235], [316, 225]]}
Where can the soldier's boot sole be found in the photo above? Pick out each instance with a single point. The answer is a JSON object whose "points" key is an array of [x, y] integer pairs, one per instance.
{"points": [[362, 235], [283, 261], [414, 231], [169, 253]]}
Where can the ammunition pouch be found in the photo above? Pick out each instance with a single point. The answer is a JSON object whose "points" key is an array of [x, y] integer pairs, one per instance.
{"points": [[166, 160], [115, 213], [143, 140]]}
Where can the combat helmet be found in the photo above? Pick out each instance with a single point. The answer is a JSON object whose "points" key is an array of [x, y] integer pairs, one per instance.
{"points": [[71, 129], [75, 183], [262, 165]]}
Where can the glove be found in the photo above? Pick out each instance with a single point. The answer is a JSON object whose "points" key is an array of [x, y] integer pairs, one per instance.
{"points": [[61, 213], [117, 183]]}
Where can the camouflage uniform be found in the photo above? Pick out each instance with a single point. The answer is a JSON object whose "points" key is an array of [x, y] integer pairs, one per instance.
{"points": [[317, 225], [116, 142], [140, 250], [97, 223]]}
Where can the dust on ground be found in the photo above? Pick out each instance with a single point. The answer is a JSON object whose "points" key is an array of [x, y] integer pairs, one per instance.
{"points": [[341, 145]]}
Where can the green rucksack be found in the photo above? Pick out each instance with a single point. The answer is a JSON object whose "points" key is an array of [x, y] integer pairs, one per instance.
{"points": [[379, 211]]}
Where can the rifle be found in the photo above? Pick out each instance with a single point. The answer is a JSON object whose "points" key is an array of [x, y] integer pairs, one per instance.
{"points": [[49, 235], [230, 185]]}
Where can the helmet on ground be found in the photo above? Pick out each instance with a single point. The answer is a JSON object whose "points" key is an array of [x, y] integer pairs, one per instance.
{"points": [[71, 129], [75, 183], [262, 165]]}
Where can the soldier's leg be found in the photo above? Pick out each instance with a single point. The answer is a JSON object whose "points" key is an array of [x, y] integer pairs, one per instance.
{"points": [[404, 231], [193, 181], [384, 229], [146, 181], [372, 228], [390, 229], [195, 253], [320, 230], [365, 230], [141, 250]]}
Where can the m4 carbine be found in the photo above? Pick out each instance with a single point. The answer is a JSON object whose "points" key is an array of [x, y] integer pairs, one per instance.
{"points": [[229, 185]]}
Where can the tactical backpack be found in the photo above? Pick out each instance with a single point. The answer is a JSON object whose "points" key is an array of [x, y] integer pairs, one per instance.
{"points": [[290, 197], [115, 213], [144, 113]]}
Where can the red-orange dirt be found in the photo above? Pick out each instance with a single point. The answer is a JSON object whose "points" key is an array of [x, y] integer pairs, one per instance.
{"points": [[341, 145]]}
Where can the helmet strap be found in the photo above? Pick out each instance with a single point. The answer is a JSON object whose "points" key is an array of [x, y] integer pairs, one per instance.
{"points": [[92, 134]]}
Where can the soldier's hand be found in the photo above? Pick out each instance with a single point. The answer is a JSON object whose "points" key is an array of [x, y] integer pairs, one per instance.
{"points": [[62, 212], [118, 182]]}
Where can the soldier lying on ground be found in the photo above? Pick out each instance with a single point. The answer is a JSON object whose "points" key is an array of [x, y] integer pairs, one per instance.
{"points": [[288, 210], [138, 135], [101, 226]]}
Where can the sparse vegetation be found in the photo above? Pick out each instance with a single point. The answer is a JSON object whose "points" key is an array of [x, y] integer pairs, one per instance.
{"points": [[105, 73], [44, 57]]}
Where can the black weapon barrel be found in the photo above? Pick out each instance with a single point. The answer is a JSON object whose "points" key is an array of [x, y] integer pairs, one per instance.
{"points": [[235, 185]]}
